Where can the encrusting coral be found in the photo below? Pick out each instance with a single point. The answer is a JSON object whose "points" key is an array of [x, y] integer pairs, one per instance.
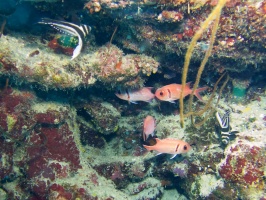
{"points": [[107, 64], [115, 69]]}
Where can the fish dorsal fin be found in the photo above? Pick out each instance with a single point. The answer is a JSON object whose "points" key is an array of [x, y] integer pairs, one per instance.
{"points": [[64, 31], [85, 29], [188, 84], [149, 88], [170, 139]]}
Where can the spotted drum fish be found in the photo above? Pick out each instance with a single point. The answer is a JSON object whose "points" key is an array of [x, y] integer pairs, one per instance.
{"points": [[169, 146], [72, 29], [143, 94], [148, 127], [173, 92]]}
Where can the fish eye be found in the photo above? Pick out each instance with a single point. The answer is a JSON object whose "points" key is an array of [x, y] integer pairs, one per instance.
{"points": [[161, 93], [185, 147]]}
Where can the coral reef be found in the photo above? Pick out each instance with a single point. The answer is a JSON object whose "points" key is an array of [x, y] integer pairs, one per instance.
{"points": [[125, 70], [6, 165], [238, 48], [107, 64], [43, 155], [170, 16], [142, 29], [205, 185], [246, 167], [41, 152], [88, 135], [52, 160], [65, 135], [149, 188], [103, 115]]}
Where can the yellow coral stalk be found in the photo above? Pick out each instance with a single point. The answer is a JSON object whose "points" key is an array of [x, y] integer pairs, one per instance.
{"points": [[215, 14]]}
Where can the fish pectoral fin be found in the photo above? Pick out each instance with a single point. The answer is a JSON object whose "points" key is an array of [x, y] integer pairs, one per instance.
{"points": [[158, 154], [77, 50], [133, 102], [173, 156], [234, 132], [149, 101], [172, 101]]}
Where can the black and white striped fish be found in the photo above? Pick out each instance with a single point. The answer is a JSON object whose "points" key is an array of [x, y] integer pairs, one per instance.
{"points": [[224, 129], [72, 29]]}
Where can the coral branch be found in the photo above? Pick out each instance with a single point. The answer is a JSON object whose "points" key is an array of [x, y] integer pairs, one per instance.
{"points": [[215, 14]]}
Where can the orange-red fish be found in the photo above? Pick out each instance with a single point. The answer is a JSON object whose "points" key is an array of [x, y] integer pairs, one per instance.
{"points": [[143, 94], [148, 127], [170, 146], [173, 92]]}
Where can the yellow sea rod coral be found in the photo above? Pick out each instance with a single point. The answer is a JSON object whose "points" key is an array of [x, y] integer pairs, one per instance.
{"points": [[215, 15]]}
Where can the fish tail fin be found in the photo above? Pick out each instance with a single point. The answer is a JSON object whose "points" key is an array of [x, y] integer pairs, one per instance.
{"points": [[197, 92]]}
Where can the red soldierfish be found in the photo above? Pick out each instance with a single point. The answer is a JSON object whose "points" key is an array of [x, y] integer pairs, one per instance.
{"points": [[170, 146], [173, 92], [143, 94], [148, 127]]}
